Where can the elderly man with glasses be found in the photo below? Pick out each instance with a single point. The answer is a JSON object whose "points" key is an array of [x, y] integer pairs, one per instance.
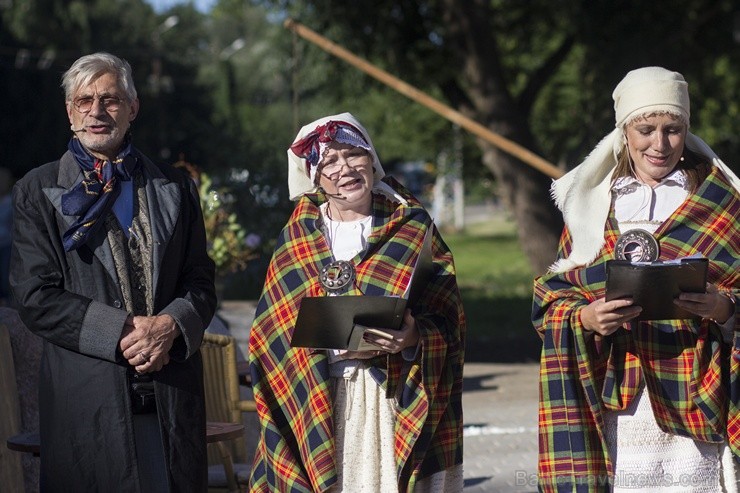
{"points": [[109, 267]]}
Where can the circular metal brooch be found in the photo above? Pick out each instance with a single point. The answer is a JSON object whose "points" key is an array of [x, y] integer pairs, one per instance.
{"points": [[337, 275], [637, 245]]}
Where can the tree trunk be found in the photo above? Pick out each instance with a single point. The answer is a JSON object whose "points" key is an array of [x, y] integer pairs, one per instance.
{"points": [[525, 191]]}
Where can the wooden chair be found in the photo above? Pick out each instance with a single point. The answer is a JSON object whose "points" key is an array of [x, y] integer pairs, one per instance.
{"points": [[229, 465]]}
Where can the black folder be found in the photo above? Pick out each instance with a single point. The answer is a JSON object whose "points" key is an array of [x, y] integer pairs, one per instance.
{"points": [[654, 285], [338, 322]]}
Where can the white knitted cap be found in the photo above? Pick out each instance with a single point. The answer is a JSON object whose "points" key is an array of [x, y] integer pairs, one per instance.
{"points": [[648, 90]]}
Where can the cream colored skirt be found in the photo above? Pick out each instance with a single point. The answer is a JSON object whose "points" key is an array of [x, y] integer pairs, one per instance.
{"points": [[648, 459], [364, 433]]}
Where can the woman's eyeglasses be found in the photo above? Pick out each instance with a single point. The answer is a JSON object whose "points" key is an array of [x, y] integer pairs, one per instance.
{"points": [[85, 104], [355, 160]]}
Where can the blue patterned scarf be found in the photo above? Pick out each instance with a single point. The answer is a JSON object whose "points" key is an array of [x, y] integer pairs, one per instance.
{"points": [[93, 197]]}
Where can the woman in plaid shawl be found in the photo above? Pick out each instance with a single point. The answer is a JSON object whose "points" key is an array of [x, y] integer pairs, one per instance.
{"points": [[387, 419], [629, 405]]}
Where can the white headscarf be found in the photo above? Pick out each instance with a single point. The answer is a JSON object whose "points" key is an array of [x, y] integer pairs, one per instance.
{"points": [[300, 174], [583, 193]]}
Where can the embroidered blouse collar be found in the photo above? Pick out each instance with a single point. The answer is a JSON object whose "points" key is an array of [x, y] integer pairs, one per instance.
{"points": [[628, 184]]}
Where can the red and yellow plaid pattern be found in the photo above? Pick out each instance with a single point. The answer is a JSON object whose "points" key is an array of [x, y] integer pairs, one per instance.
{"points": [[684, 364], [292, 386]]}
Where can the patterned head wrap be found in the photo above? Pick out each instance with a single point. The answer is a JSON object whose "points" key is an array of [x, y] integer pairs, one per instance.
{"points": [[304, 155], [312, 146]]}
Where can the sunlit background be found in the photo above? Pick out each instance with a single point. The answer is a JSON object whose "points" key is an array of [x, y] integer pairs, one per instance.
{"points": [[161, 5]]}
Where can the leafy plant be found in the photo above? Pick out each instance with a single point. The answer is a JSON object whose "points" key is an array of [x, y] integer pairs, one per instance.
{"points": [[229, 245]]}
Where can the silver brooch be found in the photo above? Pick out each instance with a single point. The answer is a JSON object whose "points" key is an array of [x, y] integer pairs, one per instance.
{"points": [[337, 275], [637, 245]]}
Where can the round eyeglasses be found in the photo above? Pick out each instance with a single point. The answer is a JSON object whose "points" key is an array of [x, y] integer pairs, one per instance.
{"points": [[109, 103], [354, 159]]}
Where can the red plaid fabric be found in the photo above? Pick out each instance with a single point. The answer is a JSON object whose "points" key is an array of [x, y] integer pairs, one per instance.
{"points": [[684, 364], [292, 386]]}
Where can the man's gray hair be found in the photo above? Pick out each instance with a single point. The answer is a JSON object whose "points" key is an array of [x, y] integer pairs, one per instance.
{"points": [[89, 67]]}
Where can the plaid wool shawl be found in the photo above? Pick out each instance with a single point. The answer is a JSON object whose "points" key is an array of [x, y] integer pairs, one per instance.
{"points": [[292, 387], [684, 364]]}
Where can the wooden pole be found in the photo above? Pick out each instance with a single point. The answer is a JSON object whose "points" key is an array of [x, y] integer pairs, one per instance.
{"points": [[420, 97]]}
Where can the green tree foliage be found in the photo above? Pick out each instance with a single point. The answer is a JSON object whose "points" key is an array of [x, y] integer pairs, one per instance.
{"points": [[41, 39], [698, 38], [228, 89], [539, 72], [227, 113], [249, 71], [426, 45]]}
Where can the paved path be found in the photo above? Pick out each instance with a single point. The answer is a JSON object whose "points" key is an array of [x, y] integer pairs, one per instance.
{"points": [[500, 413]]}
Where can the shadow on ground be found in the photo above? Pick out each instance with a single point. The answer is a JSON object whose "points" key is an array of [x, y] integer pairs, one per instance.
{"points": [[470, 482], [500, 330], [487, 382]]}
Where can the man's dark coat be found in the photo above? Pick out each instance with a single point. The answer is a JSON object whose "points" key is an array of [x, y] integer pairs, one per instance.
{"points": [[73, 300]]}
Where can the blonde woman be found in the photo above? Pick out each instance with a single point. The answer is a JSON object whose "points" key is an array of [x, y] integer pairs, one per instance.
{"points": [[628, 405]]}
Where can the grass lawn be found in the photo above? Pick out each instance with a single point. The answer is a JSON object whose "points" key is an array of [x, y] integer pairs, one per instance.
{"points": [[495, 280]]}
